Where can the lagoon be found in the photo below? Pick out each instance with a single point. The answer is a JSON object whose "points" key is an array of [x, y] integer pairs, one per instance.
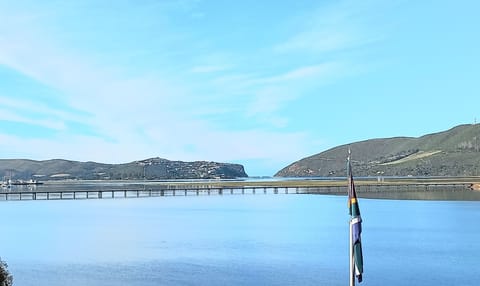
{"points": [[238, 240]]}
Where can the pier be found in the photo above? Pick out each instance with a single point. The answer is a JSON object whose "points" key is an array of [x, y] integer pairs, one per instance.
{"points": [[236, 188]]}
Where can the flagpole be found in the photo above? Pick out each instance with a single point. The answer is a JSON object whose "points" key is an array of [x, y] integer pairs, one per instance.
{"points": [[355, 228], [351, 261], [352, 270]]}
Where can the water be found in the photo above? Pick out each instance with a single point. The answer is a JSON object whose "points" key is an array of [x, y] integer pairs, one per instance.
{"points": [[237, 240]]}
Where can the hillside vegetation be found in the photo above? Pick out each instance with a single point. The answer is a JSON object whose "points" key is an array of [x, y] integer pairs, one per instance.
{"points": [[454, 152], [151, 169]]}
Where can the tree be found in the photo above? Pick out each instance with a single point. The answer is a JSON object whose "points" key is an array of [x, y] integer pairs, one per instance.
{"points": [[6, 279]]}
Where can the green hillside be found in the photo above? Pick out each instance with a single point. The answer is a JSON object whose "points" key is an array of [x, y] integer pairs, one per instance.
{"points": [[454, 152], [150, 169]]}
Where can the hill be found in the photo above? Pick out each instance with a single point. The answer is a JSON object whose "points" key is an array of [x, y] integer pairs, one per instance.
{"points": [[151, 169], [454, 152]]}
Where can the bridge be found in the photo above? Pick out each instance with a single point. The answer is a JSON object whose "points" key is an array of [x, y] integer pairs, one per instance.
{"points": [[235, 188]]}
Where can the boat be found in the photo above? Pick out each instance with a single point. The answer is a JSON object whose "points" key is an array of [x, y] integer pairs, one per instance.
{"points": [[25, 183]]}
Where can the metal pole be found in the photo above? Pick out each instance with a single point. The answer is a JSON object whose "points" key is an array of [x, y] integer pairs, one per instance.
{"points": [[352, 270]]}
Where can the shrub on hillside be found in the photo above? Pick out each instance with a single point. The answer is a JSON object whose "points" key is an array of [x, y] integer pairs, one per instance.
{"points": [[6, 278]]}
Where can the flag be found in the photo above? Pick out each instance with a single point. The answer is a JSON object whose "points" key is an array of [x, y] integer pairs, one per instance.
{"points": [[355, 224]]}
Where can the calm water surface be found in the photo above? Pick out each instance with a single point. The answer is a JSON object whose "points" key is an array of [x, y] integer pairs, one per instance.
{"points": [[238, 240]]}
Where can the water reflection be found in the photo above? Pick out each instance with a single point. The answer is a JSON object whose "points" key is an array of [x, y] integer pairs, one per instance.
{"points": [[437, 195]]}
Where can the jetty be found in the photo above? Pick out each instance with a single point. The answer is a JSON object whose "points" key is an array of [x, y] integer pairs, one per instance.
{"points": [[79, 190]]}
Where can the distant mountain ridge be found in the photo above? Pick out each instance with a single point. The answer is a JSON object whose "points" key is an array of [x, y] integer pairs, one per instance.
{"points": [[455, 152], [151, 169]]}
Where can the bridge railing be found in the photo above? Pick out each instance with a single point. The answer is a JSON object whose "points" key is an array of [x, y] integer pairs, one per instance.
{"points": [[221, 190]]}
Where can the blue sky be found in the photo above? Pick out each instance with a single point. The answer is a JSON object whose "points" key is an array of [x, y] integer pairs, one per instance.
{"points": [[261, 83]]}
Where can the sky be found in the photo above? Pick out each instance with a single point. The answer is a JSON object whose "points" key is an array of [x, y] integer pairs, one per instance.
{"points": [[259, 83]]}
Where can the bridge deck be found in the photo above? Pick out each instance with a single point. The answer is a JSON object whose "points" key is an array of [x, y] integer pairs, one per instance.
{"points": [[220, 190]]}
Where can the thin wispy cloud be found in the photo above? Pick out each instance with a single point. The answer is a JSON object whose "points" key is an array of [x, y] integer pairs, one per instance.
{"points": [[302, 74], [333, 28], [39, 108], [208, 69], [8, 115], [317, 41]]}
